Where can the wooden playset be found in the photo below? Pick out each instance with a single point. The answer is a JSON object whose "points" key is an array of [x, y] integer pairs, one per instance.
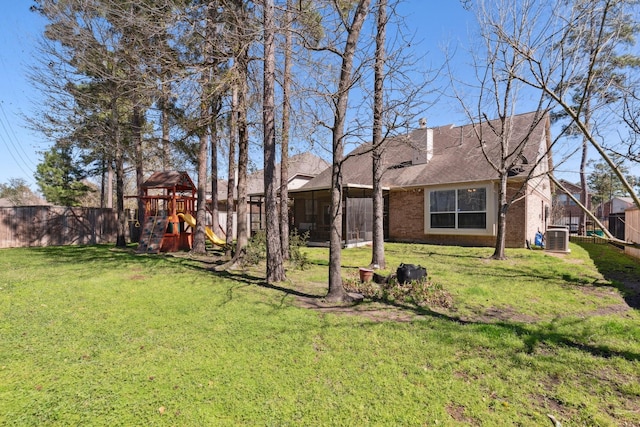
{"points": [[168, 196]]}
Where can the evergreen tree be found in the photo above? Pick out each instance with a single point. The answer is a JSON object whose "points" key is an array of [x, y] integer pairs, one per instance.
{"points": [[604, 184], [60, 177]]}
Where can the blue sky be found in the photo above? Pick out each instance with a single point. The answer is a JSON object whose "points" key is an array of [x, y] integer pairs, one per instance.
{"points": [[19, 29], [436, 24]]}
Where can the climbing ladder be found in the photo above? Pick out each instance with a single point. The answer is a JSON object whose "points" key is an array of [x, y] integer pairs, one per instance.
{"points": [[152, 235]]}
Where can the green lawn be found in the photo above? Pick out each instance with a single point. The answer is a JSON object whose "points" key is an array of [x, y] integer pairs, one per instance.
{"points": [[97, 336]]}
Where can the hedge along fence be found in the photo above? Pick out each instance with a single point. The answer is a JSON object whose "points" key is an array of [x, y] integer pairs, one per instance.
{"points": [[22, 226]]}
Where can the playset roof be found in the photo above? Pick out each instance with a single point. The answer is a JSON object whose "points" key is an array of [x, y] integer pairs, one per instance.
{"points": [[179, 180]]}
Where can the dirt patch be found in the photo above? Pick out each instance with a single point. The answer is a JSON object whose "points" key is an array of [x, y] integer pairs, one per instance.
{"points": [[565, 257], [208, 258], [457, 413], [604, 311], [499, 314]]}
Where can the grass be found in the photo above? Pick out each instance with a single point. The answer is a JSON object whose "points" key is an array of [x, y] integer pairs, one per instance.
{"points": [[97, 336]]}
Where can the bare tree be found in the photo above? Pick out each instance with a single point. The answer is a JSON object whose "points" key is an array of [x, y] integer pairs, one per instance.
{"points": [[18, 192], [403, 99], [353, 22], [575, 82], [500, 94]]}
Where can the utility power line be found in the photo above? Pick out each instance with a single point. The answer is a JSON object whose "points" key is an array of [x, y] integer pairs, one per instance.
{"points": [[12, 146]]}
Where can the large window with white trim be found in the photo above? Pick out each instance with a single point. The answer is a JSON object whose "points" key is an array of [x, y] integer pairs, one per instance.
{"points": [[461, 208]]}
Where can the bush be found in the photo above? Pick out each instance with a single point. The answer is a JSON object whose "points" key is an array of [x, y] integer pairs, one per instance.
{"points": [[256, 251], [298, 259], [422, 293]]}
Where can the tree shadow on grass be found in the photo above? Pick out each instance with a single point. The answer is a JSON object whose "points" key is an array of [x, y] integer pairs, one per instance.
{"points": [[622, 270], [533, 335], [83, 254]]}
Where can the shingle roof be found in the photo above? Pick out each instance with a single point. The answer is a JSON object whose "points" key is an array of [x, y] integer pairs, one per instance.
{"points": [[169, 179], [457, 155], [304, 164], [574, 188]]}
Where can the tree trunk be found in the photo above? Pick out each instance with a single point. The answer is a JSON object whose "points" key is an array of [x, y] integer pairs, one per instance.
{"points": [[213, 134], [243, 163], [231, 183], [103, 183], [164, 111], [284, 149], [136, 131], [582, 229], [503, 206], [337, 292], [199, 246], [121, 240], [109, 183], [275, 267], [377, 253]]}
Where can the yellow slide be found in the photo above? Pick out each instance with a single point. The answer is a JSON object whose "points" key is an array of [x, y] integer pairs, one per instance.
{"points": [[189, 219]]}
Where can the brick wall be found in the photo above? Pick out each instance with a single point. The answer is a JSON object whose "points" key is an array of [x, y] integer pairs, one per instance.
{"points": [[406, 215], [516, 219], [406, 220]]}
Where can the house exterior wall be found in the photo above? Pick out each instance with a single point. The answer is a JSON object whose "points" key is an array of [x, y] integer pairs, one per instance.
{"points": [[539, 205], [407, 219], [406, 214], [525, 217], [517, 217], [565, 211]]}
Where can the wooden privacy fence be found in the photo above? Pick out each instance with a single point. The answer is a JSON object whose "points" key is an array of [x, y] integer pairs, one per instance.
{"points": [[632, 230], [22, 226]]}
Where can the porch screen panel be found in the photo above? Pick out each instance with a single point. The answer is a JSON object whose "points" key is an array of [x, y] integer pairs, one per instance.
{"points": [[359, 219]]}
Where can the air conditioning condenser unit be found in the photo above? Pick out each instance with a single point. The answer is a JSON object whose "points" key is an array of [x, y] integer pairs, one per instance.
{"points": [[557, 240]]}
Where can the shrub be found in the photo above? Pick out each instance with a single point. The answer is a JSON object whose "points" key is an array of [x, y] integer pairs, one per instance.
{"points": [[298, 259], [256, 250], [422, 293]]}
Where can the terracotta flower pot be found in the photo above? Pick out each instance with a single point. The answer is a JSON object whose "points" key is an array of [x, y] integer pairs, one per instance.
{"points": [[366, 275]]}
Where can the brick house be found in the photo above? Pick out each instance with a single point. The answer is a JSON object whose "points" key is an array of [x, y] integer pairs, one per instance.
{"points": [[439, 188], [565, 210]]}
